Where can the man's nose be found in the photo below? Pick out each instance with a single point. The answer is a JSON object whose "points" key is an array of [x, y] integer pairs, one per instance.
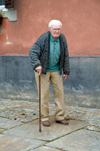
{"points": [[57, 31]]}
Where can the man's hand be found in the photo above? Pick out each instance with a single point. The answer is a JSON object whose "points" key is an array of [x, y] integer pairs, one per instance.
{"points": [[65, 76], [39, 69]]}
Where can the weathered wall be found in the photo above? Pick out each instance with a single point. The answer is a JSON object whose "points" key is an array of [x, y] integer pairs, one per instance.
{"points": [[82, 87], [81, 26], [85, 72], [80, 18]]}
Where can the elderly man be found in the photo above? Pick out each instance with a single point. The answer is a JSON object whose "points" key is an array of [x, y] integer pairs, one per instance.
{"points": [[49, 57]]}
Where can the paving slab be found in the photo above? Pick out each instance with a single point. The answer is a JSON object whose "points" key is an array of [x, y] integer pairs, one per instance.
{"points": [[6, 123], [1, 130], [81, 140], [12, 143], [45, 148], [31, 130]]}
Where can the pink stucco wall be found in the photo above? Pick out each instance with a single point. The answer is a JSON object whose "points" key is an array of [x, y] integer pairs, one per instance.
{"points": [[80, 19]]}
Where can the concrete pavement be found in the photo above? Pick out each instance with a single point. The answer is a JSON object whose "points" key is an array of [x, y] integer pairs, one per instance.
{"points": [[19, 128]]}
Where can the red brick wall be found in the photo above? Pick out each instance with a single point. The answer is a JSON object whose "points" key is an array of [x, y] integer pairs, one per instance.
{"points": [[80, 19]]}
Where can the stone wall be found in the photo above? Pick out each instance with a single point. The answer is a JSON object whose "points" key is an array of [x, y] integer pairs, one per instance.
{"points": [[82, 87]]}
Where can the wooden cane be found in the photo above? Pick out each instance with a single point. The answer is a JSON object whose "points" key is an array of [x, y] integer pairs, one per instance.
{"points": [[39, 103]]}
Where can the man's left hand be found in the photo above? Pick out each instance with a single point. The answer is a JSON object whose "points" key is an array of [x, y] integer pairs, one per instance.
{"points": [[65, 76]]}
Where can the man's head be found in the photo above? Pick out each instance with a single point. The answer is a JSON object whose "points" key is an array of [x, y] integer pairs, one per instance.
{"points": [[55, 27]]}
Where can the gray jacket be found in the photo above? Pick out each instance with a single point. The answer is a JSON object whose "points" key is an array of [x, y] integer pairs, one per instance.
{"points": [[39, 53]]}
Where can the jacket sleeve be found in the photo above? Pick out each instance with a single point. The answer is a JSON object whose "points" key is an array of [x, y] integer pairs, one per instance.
{"points": [[66, 65], [35, 52]]}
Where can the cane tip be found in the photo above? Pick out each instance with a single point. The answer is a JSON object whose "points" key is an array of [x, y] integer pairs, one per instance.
{"points": [[39, 130]]}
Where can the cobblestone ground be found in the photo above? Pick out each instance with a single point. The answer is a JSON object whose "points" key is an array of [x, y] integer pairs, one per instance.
{"points": [[26, 111]]}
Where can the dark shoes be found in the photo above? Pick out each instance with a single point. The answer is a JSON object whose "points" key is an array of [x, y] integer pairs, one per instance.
{"points": [[64, 122], [46, 123]]}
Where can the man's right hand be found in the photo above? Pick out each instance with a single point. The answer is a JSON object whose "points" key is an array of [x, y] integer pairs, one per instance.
{"points": [[39, 69]]}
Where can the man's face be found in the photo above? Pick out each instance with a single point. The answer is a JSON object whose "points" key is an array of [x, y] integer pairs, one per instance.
{"points": [[55, 31]]}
